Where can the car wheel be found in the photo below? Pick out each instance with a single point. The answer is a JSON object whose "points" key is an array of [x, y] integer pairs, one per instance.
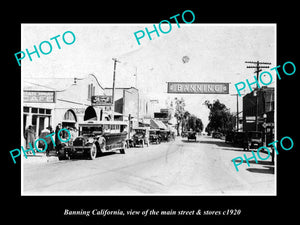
{"points": [[103, 146], [61, 154], [93, 152], [122, 150]]}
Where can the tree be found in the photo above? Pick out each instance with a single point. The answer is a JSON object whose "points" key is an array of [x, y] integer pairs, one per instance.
{"points": [[194, 123], [220, 118], [185, 119], [179, 112], [186, 116], [199, 125]]}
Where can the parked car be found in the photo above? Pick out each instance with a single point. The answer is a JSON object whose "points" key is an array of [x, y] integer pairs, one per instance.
{"points": [[255, 139], [154, 136], [141, 136], [96, 137], [191, 135], [184, 134], [239, 138], [216, 134], [229, 137], [165, 135]]}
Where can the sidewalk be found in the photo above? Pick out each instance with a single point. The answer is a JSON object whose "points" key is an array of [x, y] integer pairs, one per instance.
{"points": [[40, 157]]}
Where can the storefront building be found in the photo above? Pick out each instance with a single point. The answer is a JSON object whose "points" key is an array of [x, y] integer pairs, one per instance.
{"points": [[47, 102], [258, 111]]}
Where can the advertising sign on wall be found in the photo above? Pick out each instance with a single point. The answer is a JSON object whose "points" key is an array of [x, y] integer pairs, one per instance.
{"points": [[101, 100], [39, 96]]}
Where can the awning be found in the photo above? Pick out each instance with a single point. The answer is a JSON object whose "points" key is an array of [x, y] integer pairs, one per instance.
{"points": [[156, 124], [118, 114], [145, 121]]}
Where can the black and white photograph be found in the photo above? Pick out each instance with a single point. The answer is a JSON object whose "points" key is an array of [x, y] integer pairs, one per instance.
{"points": [[144, 113], [165, 114]]}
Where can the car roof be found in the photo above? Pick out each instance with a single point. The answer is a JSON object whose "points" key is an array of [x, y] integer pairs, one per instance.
{"points": [[141, 128], [97, 123]]}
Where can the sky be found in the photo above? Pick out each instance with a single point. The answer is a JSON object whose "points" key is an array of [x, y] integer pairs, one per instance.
{"points": [[216, 52]]}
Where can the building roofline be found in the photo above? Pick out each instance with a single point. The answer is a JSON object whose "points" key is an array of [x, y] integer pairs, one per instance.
{"points": [[52, 88], [96, 80], [122, 88]]}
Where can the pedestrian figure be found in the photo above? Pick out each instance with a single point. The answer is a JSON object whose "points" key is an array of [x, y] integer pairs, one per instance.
{"points": [[246, 142], [57, 139], [50, 144], [73, 134], [43, 135], [29, 136]]}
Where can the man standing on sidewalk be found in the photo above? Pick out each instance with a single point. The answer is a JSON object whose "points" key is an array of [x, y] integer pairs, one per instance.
{"points": [[57, 139], [246, 142], [29, 136], [43, 135]]}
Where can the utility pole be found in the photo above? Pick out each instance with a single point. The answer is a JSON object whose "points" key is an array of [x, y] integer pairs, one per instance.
{"points": [[113, 89], [258, 68], [138, 97], [237, 110]]}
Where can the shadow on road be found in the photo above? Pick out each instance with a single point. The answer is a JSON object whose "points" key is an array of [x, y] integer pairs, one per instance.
{"points": [[222, 144], [269, 170], [83, 157], [186, 141], [217, 142], [260, 162], [268, 166]]}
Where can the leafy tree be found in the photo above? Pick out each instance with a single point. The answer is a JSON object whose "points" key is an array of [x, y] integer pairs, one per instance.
{"points": [[194, 123], [199, 125], [220, 118], [179, 112], [185, 119], [186, 116]]}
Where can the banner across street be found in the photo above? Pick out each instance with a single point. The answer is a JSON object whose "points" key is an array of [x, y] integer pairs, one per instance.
{"points": [[198, 88]]}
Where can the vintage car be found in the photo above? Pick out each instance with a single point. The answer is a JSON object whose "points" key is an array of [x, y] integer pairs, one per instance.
{"points": [[184, 134], [140, 136], [255, 139], [154, 136], [216, 134], [96, 137], [229, 137], [191, 135], [239, 138], [163, 135]]}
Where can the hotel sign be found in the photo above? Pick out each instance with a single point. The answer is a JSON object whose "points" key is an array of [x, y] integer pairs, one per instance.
{"points": [[198, 88], [39, 96], [101, 100]]}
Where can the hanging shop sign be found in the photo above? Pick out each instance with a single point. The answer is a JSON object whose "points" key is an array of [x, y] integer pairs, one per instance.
{"points": [[101, 100]]}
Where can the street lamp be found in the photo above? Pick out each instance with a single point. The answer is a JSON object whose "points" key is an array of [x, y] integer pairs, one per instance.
{"points": [[255, 94], [265, 128]]}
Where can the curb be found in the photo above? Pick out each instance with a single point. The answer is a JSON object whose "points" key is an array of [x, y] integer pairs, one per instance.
{"points": [[38, 158]]}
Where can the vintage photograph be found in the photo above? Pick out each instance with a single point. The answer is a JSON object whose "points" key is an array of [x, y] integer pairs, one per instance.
{"points": [[148, 109]]}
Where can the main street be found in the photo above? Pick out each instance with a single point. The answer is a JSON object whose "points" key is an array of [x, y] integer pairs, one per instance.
{"points": [[179, 167]]}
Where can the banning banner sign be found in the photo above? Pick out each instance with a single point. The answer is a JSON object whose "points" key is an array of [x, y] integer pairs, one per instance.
{"points": [[198, 88], [101, 100]]}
